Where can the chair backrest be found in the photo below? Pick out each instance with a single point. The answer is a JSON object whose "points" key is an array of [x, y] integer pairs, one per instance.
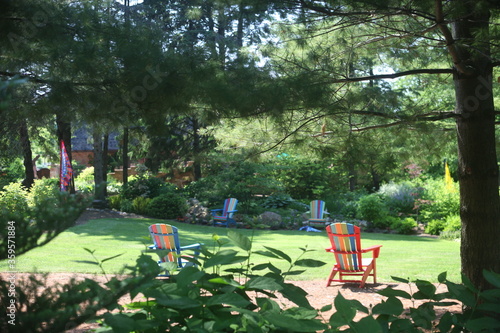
{"points": [[166, 237], [229, 205], [317, 209], [345, 239]]}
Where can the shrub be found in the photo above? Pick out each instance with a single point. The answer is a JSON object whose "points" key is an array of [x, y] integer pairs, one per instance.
{"points": [[140, 205], [13, 198], [452, 223], [405, 226], [84, 182], [148, 187], [399, 198], [167, 206], [372, 209], [441, 201], [126, 205], [277, 201], [114, 202], [434, 227], [42, 189]]}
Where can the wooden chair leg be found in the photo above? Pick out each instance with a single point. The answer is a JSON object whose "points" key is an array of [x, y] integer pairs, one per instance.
{"points": [[332, 275], [368, 269]]}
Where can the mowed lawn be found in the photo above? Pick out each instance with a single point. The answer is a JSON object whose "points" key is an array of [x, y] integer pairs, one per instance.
{"points": [[402, 256]]}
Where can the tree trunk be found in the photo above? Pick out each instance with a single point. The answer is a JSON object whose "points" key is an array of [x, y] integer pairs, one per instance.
{"points": [[196, 149], [477, 159], [99, 196], [105, 160], [29, 177], [125, 155]]}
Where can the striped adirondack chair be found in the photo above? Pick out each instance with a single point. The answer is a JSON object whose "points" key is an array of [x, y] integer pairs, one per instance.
{"points": [[318, 211], [345, 239], [167, 245], [224, 216]]}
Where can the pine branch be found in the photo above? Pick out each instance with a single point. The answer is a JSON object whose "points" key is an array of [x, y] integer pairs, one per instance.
{"points": [[35, 79], [395, 75]]}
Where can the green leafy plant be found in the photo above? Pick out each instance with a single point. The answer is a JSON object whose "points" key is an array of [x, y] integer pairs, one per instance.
{"points": [[372, 209], [209, 298], [167, 206], [434, 227], [404, 226], [479, 314], [148, 187], [84, 182], [13, 198], [114, 202], [140, 205], [277, 201], [43, 189]]}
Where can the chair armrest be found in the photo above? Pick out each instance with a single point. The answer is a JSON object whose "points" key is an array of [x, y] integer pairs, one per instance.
{"points": [[232, 211], [375, 249], [191, 246], [216, 210]]}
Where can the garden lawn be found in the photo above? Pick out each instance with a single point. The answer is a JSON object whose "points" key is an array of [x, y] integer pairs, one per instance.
{"points": [[401, 256]]}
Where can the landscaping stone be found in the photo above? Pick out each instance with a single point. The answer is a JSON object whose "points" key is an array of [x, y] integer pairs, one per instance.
{"points": [[197, 213]]}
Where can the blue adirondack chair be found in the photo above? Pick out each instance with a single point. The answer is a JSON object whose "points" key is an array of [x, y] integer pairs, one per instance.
{"points": [[318, 212], [167, 245], [224, 216], [345, 240]]}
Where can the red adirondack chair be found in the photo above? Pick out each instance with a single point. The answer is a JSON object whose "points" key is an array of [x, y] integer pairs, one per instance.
{"points": [[345, 239]]}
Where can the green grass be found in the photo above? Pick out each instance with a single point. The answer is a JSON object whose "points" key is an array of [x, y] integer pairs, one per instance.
{"points": [[401, 256]]}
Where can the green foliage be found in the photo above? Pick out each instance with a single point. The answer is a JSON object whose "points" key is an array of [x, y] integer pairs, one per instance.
{"points": [[126, 205], [479, 314], [439, 201], [404, 226], [399, 198], [216, 297], [140, 205], [452, 223], [307, 179], [277, 201], [48, 217], [84, 182], [13, 199], [68, 305], [373, 209], [43, 189], [434, 227], [114, 202], [11, 173], [240, 180], [148, 187], [167, 206]]}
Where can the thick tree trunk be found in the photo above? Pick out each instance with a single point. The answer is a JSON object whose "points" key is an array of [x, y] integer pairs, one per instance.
{"points": [[477, 159], [29, 173]]}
